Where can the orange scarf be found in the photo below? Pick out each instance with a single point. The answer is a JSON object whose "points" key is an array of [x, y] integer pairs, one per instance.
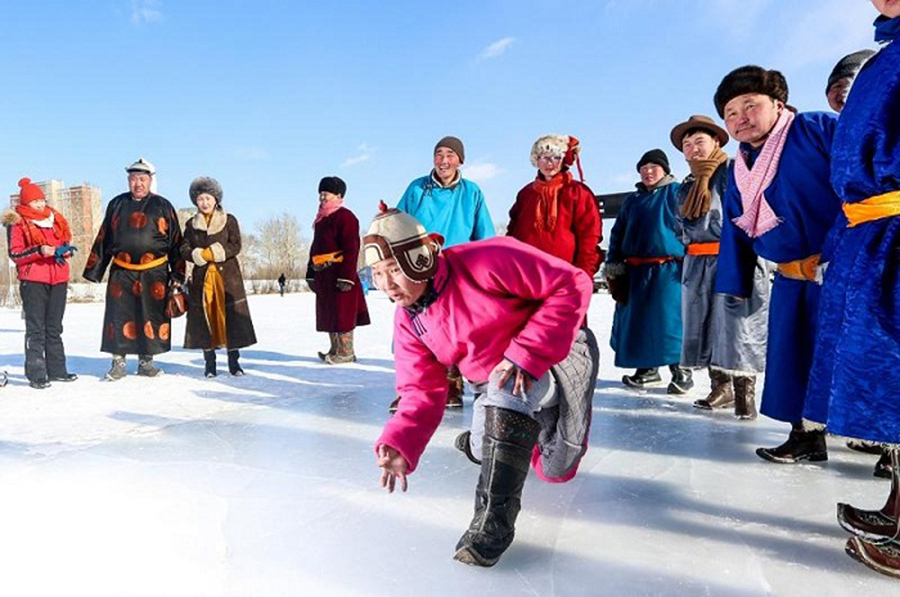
{"points": [[548, 204], [699, 197], [32, 235]]}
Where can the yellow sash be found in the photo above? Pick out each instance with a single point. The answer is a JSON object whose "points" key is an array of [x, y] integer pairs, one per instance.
{"points": [[873, 208], [801, 269], [328, 258], [141, 266]]}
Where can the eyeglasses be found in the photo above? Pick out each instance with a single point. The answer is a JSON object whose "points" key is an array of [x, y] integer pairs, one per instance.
{"points": [[553, 159]]}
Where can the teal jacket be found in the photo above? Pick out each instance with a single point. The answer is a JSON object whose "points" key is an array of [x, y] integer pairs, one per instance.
{"points": [[458, 213]]}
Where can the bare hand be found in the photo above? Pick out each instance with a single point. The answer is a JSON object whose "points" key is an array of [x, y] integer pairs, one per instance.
{"points": [[48, 251], [523, 380], [393, 466]]}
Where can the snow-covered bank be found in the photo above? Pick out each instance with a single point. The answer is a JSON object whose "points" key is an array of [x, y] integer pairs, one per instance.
{"points": [[266, 485]]}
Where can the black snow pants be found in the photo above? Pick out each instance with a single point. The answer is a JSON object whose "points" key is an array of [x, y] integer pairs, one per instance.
{"points": [[44, 306]]}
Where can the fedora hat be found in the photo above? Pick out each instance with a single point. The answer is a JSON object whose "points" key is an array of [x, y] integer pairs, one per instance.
{"points": [[698, 121]]}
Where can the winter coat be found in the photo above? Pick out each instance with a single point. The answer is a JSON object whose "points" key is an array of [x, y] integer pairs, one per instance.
{"points": [[856, 367], [578, 230], [137, 232], [496, 299], [718, 330], [646, 330], [223, 237], [458, 212], [802, 197], [336, 310], [31, 265]]}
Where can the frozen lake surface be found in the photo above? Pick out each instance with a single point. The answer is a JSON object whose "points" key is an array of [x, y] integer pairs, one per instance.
{"points": [[266, 485]]}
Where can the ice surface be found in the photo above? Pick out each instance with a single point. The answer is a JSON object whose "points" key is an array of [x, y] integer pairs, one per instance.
{"points": [[266, 485]]}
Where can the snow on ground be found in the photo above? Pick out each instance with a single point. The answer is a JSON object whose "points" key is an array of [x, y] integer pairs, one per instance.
{"points": [[266, 485]]}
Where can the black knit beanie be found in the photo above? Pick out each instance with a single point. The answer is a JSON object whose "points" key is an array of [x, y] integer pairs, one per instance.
{"points": [[655, 156], [848, 66], [334, 185]]}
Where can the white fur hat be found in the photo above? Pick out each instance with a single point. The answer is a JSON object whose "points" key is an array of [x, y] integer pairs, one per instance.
{"points": [[142, 166], [556, 145], [399, 235]]}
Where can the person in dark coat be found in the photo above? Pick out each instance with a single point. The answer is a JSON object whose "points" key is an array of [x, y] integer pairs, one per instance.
{"points": [[331, 272], [218, 315], [141, 236], [282, 280], [38, 240]]}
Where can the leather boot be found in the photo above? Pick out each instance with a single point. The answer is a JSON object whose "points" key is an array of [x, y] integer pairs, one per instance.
{"points": [[800, 445], [117, 370], [343, 350], [884, 468], [234, 365], [642, 378], [876, 526], [463, 444], [884, 558], [721, 394], [745, 397], [146, 366], [509, 437], [209, 358], [456, 388], [332, 337], [681, 380]]}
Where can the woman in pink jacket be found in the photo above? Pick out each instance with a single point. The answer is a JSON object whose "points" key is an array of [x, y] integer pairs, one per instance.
{"points": [[509, 316]]}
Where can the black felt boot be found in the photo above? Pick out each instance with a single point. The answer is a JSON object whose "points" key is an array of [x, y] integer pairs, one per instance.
{"points": [[234, 367], [681, 380], [642, 378], [800, 445], [209, 356], [509, 437]]}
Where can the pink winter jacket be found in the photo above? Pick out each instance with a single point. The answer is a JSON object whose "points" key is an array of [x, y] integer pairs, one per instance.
{"points": [[496, 298]]}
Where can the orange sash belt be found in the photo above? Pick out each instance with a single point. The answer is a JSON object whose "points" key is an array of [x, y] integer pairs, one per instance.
{"points": [[141, 266], [650, 260], [328, 258], [703, 248], [873, 208], [801, 269]]}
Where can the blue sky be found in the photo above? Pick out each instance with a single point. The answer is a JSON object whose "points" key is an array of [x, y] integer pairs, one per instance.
{"points": [[268, 96]]}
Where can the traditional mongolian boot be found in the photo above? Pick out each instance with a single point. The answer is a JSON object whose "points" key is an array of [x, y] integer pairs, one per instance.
{"points": [[146, 366], [344, 350], [876, 526], [117, 371], [394, 405], [332, 337], [463, 444], [745, 397], [681, 380], [209, 357], [866, 447], [880, 558], [642, 378], [509, 437], [883, 468], [234, 366], [722, 393], [801, 445], [456, 388]]}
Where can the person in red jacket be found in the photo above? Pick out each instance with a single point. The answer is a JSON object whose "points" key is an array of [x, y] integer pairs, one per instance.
{"points": [[556, 213], [38, 238]]}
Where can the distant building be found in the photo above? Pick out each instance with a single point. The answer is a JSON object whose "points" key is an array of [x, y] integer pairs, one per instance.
{"points": [[81, 206]]}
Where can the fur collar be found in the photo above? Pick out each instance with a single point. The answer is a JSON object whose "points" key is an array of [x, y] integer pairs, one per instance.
{"points": [[10, 217], [216, 223]]}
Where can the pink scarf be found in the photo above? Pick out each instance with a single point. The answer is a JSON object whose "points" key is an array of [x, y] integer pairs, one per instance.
{"points": [[758, 217], [328, 208]]}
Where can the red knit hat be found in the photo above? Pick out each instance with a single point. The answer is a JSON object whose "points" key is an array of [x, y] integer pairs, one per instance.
{"points": [[30, 192]]}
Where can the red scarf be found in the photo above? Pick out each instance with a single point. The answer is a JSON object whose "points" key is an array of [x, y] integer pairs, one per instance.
{"points": [[548, 204], [327, 208], [32, 234]]}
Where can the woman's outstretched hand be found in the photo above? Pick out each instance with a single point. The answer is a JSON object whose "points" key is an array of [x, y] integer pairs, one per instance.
{"points": [[393, 467], [523, 379]]}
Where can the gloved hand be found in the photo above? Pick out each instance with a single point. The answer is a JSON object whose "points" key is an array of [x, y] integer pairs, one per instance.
{"points": [[311, 282], [64, 251], [344, 286], [618, 288]]}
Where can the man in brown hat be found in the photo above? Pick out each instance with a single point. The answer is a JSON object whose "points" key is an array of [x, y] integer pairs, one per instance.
{"points": [[779, 205], [446, 203], [141, 236], [721, 333]]}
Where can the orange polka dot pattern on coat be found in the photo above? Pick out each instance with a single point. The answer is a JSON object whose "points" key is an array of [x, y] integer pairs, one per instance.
{"points": [[158, 290], [137, 288], [148, 330], [164, 331], [129, 330], [137, 220]]}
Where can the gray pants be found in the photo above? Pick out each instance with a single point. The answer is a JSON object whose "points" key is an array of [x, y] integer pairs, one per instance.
{"points": [[543, 394]]}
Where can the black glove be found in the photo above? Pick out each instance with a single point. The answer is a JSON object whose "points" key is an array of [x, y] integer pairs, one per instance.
{"points": [[344, 286], [311, 282], [618, 288]]}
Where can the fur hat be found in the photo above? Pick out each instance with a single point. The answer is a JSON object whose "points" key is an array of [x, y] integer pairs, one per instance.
{"points": [[750, 79], [848, 66], [334, 185], [394, 233], [454, 145], [142, 166], [29, 192], [694, 123], [205, 184], [655, 156]]}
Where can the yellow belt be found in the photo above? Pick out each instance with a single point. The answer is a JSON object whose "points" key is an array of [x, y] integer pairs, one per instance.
{"points": [[873, 208], [328, 258], [801, 269], [141, 266]]}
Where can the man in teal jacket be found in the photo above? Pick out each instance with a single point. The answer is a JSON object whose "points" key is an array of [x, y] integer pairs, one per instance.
{"points": [[447, 204]]}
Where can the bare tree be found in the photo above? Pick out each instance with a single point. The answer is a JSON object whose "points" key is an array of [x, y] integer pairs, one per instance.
{"points": [[278, 246]]}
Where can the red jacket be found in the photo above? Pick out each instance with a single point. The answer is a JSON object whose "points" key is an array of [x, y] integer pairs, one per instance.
{"points": [[578, 230], [31, 266]]}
